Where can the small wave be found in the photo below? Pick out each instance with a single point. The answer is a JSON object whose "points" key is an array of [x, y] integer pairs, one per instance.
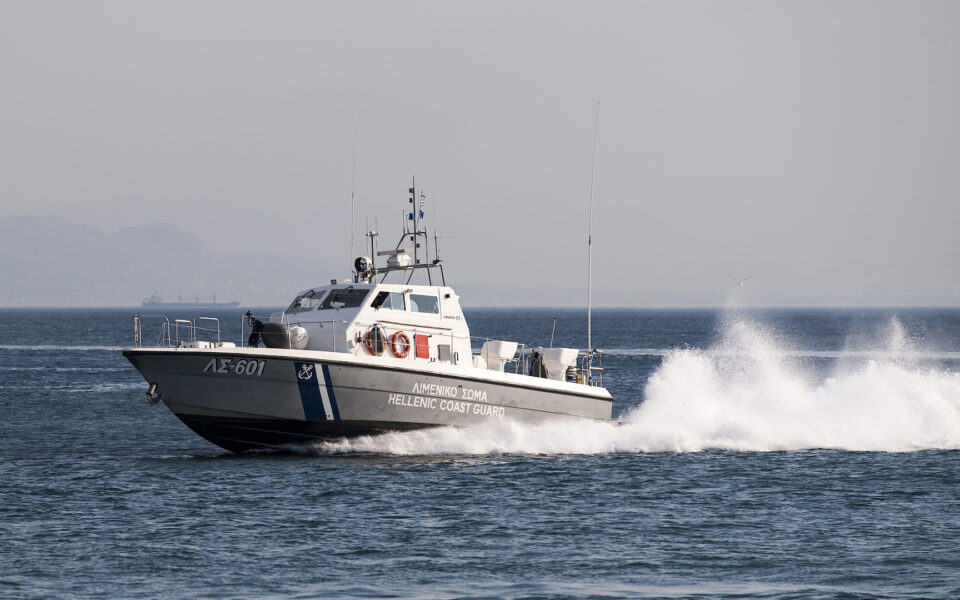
{"points": [[55, 348], [47, 369], [78, 388]]}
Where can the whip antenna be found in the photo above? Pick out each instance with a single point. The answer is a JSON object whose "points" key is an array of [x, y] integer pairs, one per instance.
{"points": [[593, 178], [353, 203]]}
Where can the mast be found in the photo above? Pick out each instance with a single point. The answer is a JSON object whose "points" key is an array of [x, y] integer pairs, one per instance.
{"points": [[593, 178], [436, 235], [416, 222], [412, 219], [417, 202]]}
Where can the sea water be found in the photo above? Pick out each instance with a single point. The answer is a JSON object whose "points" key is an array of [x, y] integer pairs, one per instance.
{"points": [[758, 454]]}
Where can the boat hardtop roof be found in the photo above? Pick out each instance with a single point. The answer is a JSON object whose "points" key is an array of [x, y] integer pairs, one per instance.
{"points": [[428, 299], [392, 287]]}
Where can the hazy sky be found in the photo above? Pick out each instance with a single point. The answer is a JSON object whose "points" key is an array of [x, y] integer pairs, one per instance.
{"points": [[812, 145]]}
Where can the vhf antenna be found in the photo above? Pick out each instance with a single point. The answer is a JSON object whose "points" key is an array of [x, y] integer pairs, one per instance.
{"points": [[353, 202], [593, 178]]}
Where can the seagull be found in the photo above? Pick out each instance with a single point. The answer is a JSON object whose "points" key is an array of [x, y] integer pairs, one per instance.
{"points": [[741, 281]]}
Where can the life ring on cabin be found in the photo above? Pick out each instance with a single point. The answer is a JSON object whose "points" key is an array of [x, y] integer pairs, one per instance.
{"points": [[400, 344], [374, 340]]}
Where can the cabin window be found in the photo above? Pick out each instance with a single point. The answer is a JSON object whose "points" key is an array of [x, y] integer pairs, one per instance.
{"points": [[344, 298], [391, 300], [424, 304], [307, 301]]}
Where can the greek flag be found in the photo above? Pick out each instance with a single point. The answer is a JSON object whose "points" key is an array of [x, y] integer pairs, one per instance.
{"points": [[423, 199]]}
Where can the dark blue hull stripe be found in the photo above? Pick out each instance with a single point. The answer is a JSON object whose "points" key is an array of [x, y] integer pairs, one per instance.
{"points": [[316, 396]]}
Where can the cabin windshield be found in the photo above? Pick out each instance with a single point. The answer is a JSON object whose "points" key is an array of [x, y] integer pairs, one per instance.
{"points": [[306, 301], [344, 298]]}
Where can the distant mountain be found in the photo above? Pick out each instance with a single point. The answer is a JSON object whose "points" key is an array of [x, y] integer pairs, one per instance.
{"points": [[49, 261]]}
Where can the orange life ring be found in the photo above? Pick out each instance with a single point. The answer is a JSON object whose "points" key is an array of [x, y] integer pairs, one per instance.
{"points": [[373, 340], [400, 344]]}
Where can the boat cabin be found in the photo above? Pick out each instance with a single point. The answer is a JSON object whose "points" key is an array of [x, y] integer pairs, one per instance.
{"points": [[403, 321]]}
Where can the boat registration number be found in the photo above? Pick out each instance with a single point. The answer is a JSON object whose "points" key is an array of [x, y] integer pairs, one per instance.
{"points": [[230, 366]]}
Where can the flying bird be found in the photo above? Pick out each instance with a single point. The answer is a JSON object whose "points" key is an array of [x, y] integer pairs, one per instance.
{"points": [[741, 281]]}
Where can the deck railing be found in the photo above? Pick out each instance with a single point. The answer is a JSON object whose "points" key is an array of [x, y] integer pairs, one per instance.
{"points": [[178, 333], [206, 331]]}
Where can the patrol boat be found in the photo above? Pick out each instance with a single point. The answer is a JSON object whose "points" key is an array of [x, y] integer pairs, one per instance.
{"points": [[368, 355]]}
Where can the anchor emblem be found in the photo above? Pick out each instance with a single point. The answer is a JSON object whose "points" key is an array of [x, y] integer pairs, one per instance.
{"points": [[306, 372]]}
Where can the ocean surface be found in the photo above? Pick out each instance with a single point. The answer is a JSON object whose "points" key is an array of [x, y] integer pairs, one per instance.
{"points": [[764, 454]]}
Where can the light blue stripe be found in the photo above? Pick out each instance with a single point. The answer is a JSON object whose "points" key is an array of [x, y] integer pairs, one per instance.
{"points": [[333, 399]]}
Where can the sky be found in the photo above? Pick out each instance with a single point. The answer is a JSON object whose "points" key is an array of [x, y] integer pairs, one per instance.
{"points": [[812, 146]]}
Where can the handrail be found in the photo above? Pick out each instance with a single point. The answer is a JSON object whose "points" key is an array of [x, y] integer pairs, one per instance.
{"points": [[169, 334], [190, 325], [138, 329], [214, 319]]}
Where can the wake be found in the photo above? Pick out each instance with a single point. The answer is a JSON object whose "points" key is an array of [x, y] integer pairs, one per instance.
{"points": [[745, 394]]}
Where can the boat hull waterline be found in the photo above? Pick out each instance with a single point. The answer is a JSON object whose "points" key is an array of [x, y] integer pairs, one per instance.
{"points": [[245, 399]]}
